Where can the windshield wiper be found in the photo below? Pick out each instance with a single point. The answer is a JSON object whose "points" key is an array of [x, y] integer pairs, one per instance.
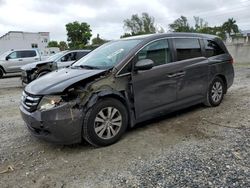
{"points": [[86, 67]]}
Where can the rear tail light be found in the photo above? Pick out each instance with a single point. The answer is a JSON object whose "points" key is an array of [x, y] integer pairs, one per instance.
{"points": [[232, 61]]}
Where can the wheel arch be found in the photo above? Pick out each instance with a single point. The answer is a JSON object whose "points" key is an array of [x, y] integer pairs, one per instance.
{"points": [[1, 67], [224, 81], [42, 70], [120, 96]]}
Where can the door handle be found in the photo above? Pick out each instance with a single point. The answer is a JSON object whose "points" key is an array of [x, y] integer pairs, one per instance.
{"points": [[171, 75], [20, 60], [177, 74], [180, 74]]}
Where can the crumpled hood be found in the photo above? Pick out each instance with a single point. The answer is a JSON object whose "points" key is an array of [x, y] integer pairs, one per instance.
{"points": [[58, 81], [31, 66]]}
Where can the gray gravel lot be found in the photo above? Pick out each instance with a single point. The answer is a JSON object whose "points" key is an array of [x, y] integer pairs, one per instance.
{"points": [[195, 147]]}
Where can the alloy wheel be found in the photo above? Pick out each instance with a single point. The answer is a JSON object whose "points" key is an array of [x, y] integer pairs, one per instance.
{"points": [[108, 122], [217, 92]]}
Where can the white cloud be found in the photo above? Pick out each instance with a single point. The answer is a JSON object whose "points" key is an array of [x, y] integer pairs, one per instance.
{"points": [[106, 16]]}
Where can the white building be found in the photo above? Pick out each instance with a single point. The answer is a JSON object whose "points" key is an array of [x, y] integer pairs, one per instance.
{"points": [[24, 40]]}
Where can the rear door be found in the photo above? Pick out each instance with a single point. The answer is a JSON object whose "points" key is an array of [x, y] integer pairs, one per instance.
{"points": [[155, 89], [193, 77]]}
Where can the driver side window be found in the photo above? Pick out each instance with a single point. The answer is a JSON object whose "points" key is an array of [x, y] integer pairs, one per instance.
{"points": [[13, 55], [157, 51]]}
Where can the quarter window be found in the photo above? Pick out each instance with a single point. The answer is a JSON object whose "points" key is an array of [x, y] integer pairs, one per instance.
{"points": [[212, 48], [187, 48], [157, 51]]}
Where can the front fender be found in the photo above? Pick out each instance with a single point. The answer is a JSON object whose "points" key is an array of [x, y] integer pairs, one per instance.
{"points": [[112, 94]]}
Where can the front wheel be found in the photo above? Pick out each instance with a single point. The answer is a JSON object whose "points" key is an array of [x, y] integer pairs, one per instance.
{"points": [[215, 92], [105, 122]]}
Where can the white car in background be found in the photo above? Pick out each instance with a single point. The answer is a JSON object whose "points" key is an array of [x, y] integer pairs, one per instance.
{"points": [[12, 61]]}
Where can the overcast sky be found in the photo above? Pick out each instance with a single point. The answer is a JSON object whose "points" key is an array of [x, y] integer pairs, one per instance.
{"points": [[106, 16]]}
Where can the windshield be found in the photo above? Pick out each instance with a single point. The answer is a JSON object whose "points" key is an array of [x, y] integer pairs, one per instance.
{"points": [[3, 55], [108, 55], [56, 56]]}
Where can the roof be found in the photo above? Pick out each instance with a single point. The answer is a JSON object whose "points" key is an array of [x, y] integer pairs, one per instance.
{"points": [[174, 34], [23, 32]]}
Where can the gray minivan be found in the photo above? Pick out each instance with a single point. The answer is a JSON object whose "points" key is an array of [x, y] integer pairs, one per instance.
{"points": [[125, 82]]}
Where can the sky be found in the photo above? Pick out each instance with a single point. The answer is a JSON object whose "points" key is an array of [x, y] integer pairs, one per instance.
{"points": [[105, 17]]}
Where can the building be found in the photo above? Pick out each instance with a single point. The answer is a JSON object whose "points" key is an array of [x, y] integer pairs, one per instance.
{"points": [[24, 40]]}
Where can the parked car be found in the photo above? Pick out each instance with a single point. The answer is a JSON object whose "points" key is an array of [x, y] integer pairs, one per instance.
{"points": [[125, 82], [12, 61], [62, 59]]}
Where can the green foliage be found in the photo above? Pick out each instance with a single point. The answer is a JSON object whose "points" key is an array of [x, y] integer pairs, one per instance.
{"points": [[230, 26], [139, 25], [98, 41], [180, 25], [63, 45], [53, 44], [78, 34], [201, 26]]}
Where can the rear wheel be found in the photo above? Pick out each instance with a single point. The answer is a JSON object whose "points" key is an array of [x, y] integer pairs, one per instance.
{"points": [[1, 73], [215, 92], [105, 122]]}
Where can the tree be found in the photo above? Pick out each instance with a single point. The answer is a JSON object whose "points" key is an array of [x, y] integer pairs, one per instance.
{"points": [[137, 25], [230, 26], [98, 41], [180, 25], [63, 45], [78, 34], [200, 24], [53, 44]]}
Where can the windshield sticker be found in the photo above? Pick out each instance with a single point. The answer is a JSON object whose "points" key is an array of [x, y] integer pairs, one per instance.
{"points": [[115, 53]]}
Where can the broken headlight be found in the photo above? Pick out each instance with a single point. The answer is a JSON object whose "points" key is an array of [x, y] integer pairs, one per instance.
{"points": [[49, 102]]}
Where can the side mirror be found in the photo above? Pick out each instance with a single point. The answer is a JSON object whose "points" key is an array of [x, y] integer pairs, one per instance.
{"points": [[7, 58], [144, 64]]}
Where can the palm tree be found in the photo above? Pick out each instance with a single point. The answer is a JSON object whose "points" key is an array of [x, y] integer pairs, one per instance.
{"points": [[230, 26]]}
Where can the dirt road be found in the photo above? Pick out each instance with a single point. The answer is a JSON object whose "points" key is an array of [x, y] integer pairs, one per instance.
{"points": [[198, 146]]}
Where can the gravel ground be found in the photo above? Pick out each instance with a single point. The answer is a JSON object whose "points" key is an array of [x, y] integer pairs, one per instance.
{"points": [[195, 147]]}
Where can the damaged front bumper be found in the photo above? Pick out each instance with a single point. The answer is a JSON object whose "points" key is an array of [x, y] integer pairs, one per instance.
{"points": [[62, 124]]}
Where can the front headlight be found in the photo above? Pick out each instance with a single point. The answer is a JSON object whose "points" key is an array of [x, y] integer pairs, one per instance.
{"points": [[49, 102]]}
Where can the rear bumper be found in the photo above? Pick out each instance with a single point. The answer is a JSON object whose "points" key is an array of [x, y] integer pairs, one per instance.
{"points": [[61, 125], [230, 77]]}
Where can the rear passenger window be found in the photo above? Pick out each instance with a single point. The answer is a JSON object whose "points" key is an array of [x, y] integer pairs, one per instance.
{"points": [[27, 53], [157, 51], [212, 48], [187, 48]]}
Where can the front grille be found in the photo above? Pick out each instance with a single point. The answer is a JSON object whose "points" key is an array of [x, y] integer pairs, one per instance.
{"points": [[30, 102]]}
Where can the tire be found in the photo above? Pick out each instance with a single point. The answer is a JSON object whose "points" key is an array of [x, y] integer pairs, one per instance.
{"points": [[215, 93], [42, 73], [1, 73], [102, 129]]}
